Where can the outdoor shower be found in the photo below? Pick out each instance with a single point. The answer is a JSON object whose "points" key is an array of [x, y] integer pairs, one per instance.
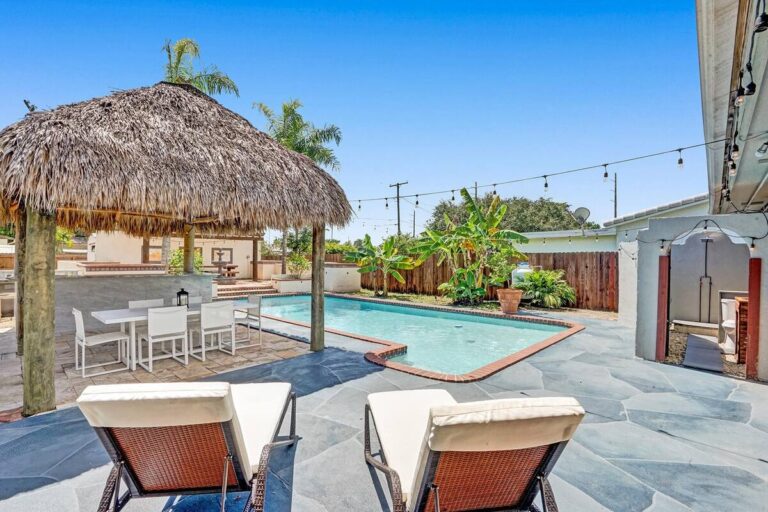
{"points": [[705, 282]]}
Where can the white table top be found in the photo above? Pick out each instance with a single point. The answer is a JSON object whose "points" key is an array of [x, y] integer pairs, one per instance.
{"points": [[119, 316]]}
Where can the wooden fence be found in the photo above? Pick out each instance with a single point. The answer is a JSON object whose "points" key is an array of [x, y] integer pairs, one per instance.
{"points": [[594, 276]]}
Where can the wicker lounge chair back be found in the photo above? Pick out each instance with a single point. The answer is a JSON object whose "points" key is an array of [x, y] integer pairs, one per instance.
{"points": [[168, 439], [494, 454]]}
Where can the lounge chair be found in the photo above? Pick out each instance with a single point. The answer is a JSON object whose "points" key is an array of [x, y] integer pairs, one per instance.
{"points": [[188, 438], [439, 455]]}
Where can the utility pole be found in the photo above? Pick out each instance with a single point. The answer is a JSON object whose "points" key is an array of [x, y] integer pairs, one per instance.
{"points": [[398, 185], [615, 195]]}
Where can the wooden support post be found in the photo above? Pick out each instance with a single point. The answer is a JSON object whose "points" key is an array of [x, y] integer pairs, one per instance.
{"points": [[753, 317], [145, 250], [20, 243], [254, 258], [317, 329], [189, 249], [662, 309], [39, 313], [283, 249]]}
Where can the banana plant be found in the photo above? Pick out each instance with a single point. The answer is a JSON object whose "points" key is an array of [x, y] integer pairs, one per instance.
{"points": [[384, 259], [469, 245]]}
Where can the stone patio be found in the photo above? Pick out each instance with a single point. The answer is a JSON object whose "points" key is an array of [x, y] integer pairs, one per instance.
{"points": [[656, 437], [69, 382]]}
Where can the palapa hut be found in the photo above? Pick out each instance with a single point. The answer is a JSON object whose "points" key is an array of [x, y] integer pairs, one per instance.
{"points": [[151, 161]]}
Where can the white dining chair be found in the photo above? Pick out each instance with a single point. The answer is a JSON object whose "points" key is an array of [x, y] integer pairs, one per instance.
{"points": [[150, 303], [164, 325], [83, 341], [248, 316], [216, 318]]}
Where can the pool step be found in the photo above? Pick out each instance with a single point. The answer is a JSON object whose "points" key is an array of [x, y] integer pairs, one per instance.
{"points": [[240, 290]]}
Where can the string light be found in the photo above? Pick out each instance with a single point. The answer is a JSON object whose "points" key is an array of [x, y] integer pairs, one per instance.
{"points": [[544, 242], [735, 153], [751, 86], [680, 163], [417, 199], [662, 249], [386, 203], [761, 22], [626, 235], [494, 189], [731, 168], [569, 240], [453, 194], [596, 237], [561, 173], [752, 246], [740, 92], [605, 173], [359, 205]]}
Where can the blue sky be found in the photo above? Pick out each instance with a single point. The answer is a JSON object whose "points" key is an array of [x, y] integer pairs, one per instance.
{"points": [[438, 94]]}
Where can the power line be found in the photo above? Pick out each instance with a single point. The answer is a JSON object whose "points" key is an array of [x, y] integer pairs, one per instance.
{"points": [[544, 177]]}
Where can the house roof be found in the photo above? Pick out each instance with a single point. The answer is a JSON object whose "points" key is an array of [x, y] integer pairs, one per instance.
{"points": [[655, 211]]}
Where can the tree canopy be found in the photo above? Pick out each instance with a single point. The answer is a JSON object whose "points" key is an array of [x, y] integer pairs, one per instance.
{"points": [[180, 69], [523, 215]]}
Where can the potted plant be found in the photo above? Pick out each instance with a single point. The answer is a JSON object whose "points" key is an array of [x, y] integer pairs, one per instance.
{"points": [[501, 264], [547, 289]]}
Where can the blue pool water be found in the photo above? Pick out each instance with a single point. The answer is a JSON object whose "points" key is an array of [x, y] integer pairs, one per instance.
{"points": [[439, 341]]}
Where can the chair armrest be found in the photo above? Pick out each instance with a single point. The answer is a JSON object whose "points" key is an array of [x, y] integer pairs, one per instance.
{"points": [[393, 479]]}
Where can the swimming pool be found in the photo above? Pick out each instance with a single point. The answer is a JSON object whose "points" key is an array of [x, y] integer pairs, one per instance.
{"points": [[436, 341]]}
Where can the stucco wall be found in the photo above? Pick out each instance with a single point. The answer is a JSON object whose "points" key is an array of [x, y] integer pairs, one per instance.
{"points": [[628, 283], [99, 293], [114, 247], [577, 244], [745, 225]]}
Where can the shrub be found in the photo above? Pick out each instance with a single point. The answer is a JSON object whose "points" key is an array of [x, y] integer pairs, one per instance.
{"points": [[547, 288], [297, 264], [176, 262]]}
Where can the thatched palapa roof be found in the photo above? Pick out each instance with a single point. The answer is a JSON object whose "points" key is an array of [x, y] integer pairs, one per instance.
{"points": [[149, 160]]}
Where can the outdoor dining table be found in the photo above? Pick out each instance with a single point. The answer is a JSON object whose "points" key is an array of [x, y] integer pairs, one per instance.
{"points": [[130, 317]]}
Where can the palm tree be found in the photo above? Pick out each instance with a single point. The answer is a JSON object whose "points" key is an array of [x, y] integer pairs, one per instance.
{"points": [[291, 130], [180, 69]]}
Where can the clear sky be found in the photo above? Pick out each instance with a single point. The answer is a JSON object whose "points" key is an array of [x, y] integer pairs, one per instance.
{"points": [[439, 94]]}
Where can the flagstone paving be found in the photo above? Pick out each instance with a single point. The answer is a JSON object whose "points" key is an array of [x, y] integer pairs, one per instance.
{"points": [[656, 438]]}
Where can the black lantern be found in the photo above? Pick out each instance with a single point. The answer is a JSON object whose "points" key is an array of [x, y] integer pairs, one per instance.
{"points": [[182, 298]]}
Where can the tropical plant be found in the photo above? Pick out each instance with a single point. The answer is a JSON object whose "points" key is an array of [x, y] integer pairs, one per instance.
{"points": [[462, 286], [180, 69], [500, 265], [176, 262], [300, 241], [292, 131], [547, 288], [298, 264], [384, 259], [470, 244], [64, 238]]}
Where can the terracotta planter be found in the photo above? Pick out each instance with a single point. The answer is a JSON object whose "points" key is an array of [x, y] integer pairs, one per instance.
{"points": [[509, 298]]}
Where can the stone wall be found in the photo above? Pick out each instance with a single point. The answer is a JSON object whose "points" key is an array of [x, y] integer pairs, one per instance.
{"points": [[113, 292]]}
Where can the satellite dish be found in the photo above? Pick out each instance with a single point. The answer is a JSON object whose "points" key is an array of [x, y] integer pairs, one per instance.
{"points": [[581, 215]]}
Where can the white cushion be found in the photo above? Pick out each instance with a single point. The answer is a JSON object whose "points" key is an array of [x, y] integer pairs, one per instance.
{"points": [[508, 424], [156, 404], [257, 418], [401, 422], [105, 337]]}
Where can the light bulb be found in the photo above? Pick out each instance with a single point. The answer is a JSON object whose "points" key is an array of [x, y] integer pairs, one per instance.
{"points": [[453, 196], [359, 205], [740, 95], [735, 153], [732, 168], [386, 203], [680, 163], [605, 173], [546, 185]]}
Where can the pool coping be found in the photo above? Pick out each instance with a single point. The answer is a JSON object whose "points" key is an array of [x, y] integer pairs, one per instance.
{"points": [[392, 348]]}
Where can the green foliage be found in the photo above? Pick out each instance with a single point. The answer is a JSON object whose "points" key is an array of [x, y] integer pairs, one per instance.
{"points": [[384, 259], [8, 231], [291, 130], [180, 69], [336, 247], [469, 245], [63, 238], [523, 215], [176, 262], [547, 288], [297, 264], [500, 265], [462, 286], [299, 241]]}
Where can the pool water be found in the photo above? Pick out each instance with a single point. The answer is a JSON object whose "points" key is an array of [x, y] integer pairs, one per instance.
{"points": [[439, 341]]}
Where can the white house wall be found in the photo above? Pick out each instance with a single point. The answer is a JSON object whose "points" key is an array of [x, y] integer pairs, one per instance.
{"points": [[628, 283], [576, 244], [746, 225], [114, 247]]}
